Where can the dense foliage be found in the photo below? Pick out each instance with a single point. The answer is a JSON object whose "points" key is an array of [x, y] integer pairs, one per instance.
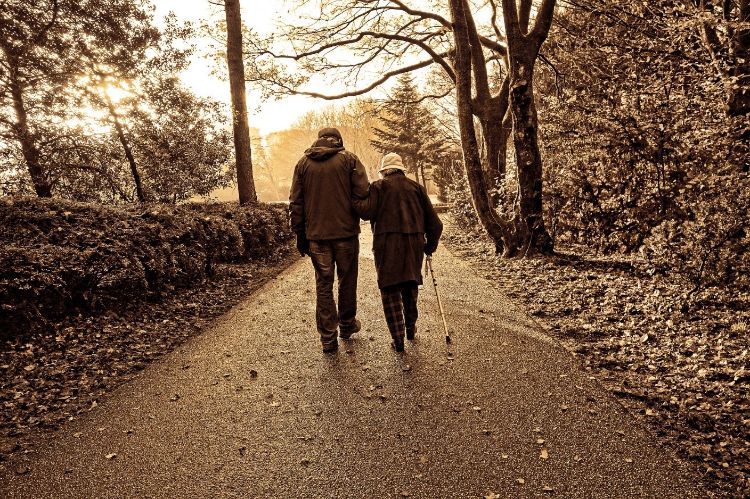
{"points": [[62, 257], [642, 154]]}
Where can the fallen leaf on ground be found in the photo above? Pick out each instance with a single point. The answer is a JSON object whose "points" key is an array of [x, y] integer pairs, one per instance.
{"points": [[544, 454], [111, 456], [520, 480]]}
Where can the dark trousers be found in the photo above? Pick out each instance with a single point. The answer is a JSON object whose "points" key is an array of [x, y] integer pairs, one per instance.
{"points": [[335, 257], [400, 307]]}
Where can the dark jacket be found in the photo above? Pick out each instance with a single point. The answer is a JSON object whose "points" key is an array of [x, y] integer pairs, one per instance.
{"points": [[404, 226], [324, 183]]}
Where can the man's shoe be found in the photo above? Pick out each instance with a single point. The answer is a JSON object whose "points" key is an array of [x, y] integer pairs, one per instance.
{"points": [[398, 344], [411, 332], [346, 333], [331, 347]]}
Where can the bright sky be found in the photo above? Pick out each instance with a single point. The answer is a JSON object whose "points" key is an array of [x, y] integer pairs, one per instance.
{"points": [[259, 15]]}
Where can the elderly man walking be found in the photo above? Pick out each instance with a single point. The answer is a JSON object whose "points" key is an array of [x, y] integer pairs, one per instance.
{"points": [[325, 181], [405, 227]]}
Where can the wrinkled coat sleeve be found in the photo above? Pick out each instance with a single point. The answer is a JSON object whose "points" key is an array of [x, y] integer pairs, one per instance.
{"points": [[433, 225], [367, 208], [360, 184], [297, 201]]}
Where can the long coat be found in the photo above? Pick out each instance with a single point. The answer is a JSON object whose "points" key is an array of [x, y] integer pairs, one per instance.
{"points": [[405, 226]]}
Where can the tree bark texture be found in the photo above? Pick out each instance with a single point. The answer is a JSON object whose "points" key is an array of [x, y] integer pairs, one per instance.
{"points": [[523, 49], [495, 132], [29, 148], [241, 128]]}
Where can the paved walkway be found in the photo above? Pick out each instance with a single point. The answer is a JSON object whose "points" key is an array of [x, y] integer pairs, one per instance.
{"points": [[511, 414]]}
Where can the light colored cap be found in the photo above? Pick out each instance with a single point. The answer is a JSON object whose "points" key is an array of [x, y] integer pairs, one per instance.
{"points": [[391, 160]]}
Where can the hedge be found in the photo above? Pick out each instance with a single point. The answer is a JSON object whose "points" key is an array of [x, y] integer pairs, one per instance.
{"points": [[60, 257]]}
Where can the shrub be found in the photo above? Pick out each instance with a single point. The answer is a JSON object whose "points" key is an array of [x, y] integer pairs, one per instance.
{"points": [[711, 248], [61, 257]]}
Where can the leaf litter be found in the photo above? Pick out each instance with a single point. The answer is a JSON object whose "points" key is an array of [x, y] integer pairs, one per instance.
{"points": [[52, 377], [683, 373]]}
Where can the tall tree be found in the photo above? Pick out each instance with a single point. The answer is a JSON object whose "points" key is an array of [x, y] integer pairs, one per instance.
{"points": [[523, 49], [241, 128], [151, 56], [406, 127]]}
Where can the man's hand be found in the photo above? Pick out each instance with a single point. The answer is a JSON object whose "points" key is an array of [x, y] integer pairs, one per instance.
{"points": [[303, 245]]}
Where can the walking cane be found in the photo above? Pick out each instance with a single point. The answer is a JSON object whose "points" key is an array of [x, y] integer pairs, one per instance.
{"points": [[428, 264]]}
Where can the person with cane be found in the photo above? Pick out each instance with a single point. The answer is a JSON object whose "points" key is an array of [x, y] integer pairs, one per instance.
{"points": [[405, 227]]}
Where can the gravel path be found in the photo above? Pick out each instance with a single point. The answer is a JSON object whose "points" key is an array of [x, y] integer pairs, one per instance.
{"points": [[252, 408]]}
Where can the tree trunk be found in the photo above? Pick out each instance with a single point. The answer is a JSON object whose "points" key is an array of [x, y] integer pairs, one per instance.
{"points": [[241, 128], [528, 160], [523, 49], [29, 149], [500, 233], [495, 133], [126, 147]]}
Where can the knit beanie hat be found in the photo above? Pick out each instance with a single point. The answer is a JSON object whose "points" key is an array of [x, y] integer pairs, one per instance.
{"points": [[391, 160]]}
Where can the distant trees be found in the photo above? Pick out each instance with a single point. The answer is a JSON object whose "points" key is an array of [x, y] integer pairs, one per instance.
{"points": [[407, 127], [280, 151]]}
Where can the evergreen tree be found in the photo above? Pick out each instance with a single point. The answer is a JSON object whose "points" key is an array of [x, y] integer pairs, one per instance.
{"points": [[408, 128]]}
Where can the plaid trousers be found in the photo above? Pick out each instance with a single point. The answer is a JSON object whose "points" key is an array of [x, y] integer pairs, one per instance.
{"points": [[400, 307]]}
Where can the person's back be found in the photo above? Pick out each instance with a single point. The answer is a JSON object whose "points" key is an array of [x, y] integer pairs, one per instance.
{"points": [[401, 205], [325, 173], [405, 227], [321, 214]]}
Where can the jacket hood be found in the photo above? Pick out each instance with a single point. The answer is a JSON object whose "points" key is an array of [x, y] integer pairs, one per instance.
{"points": [[322, 149]]}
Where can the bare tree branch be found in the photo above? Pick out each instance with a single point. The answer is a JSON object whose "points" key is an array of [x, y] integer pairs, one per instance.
{"points": [[386, 76]]}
